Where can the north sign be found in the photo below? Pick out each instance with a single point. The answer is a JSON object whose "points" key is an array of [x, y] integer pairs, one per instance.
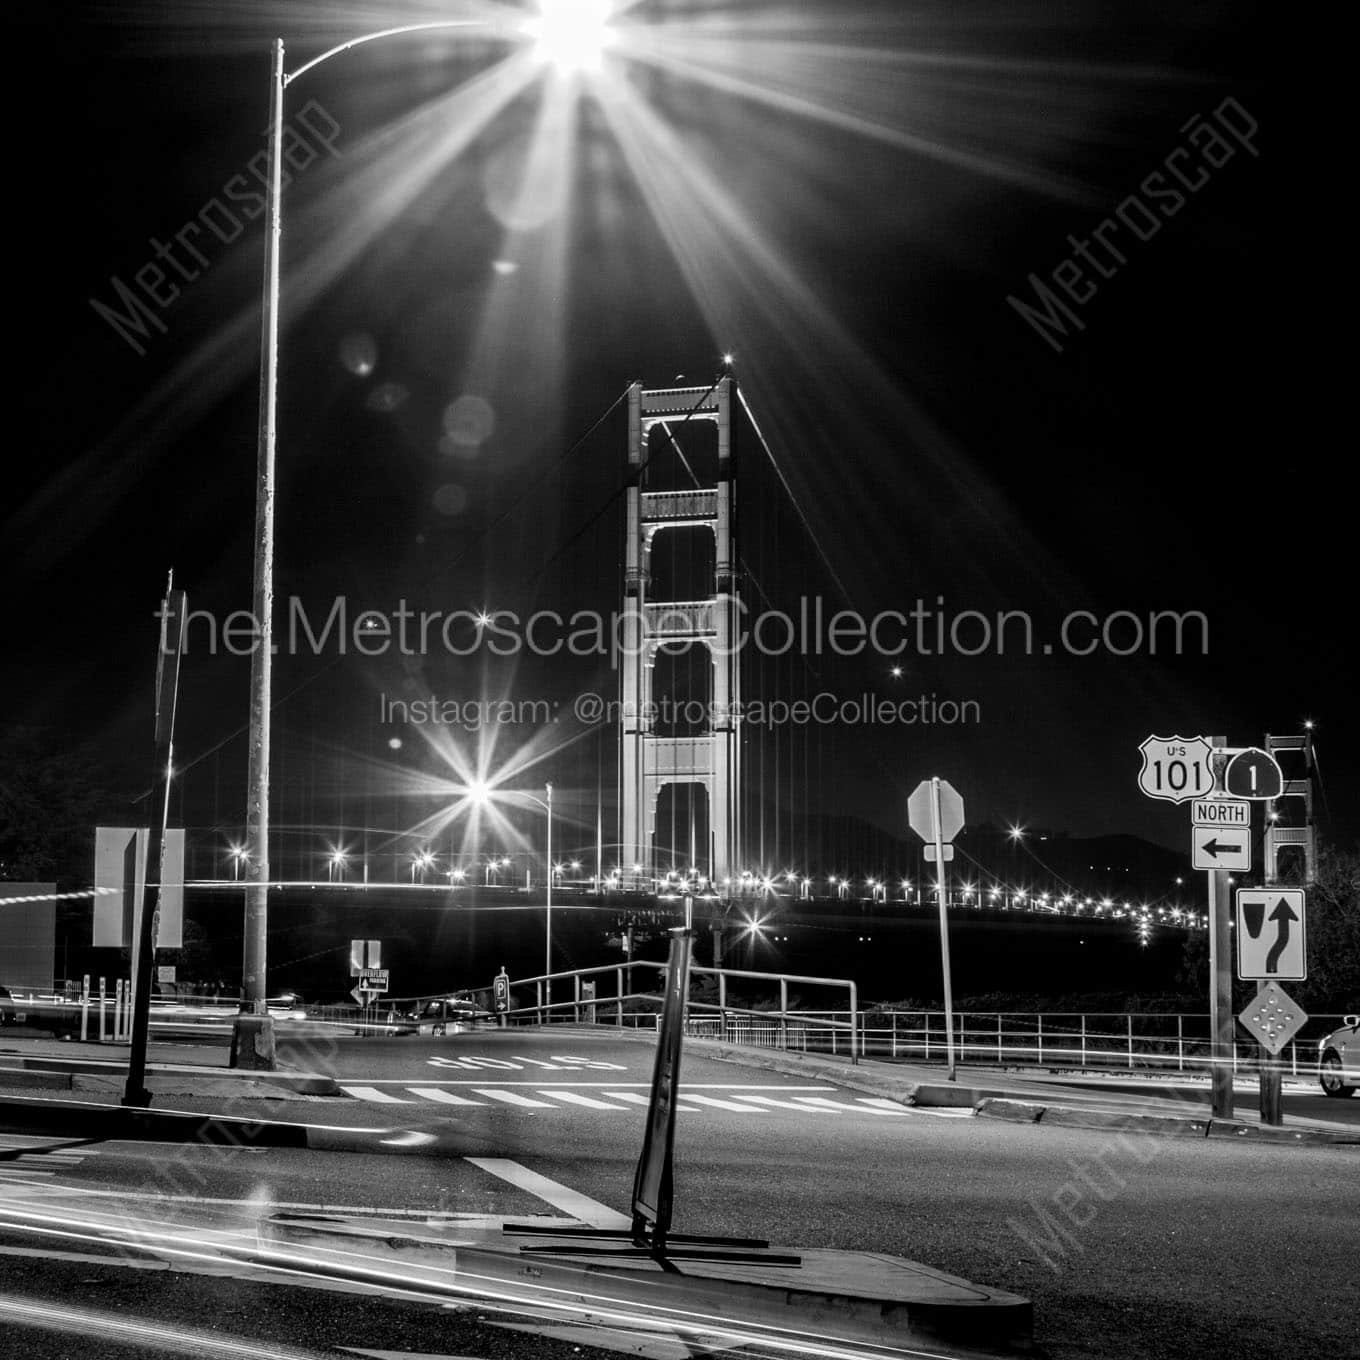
{"points": [[1229, 812]]}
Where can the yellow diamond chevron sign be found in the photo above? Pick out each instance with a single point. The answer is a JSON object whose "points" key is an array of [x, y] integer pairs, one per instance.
{"points": [[1273, 1017]]}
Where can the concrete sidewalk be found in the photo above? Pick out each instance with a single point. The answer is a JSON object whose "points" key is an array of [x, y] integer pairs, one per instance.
{"points": [[172, 1070], [1037, 1099]]}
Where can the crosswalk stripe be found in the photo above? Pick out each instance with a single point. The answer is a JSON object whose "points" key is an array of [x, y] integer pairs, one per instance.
{"points": [[725, 1104], [787, 1105], [633, 1098], [588, 1101], [443, 1097], [514, 1098], [11, 1172], [823, 1103], [372, 1093]]}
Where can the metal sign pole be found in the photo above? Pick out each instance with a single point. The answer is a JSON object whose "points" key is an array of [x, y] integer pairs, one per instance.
{"points": [[1221, 1019], [944, 925], [1272, 1083], [171, 644], [652, 1184]]}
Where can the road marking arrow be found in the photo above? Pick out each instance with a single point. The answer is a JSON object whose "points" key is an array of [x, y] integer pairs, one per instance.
{"points": [[1283, 913]]}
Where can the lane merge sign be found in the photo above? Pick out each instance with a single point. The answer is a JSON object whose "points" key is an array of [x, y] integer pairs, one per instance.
{"points": [[1220, 812], [1272, 934], [1215, 847]]}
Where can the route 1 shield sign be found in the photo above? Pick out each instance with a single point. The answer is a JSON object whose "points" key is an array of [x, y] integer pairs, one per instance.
{"points": [[1176, 768]]}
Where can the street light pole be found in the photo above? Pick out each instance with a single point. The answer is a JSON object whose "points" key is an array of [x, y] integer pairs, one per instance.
{"points": [[253, 1044], [547, 957]]}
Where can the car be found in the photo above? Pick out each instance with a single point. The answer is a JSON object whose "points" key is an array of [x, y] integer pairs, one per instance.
{"points": [[441, 1010], [1339, 1059], [7, 1012]]}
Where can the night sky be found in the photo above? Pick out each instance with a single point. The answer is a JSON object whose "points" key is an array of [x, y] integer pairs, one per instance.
{"points": [[842, 195]]}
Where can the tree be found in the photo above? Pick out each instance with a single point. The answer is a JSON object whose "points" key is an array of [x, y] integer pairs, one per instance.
{"points": [[1333, 983], [49, 804]]}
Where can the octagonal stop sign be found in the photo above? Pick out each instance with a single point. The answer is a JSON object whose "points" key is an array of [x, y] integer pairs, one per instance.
{"points": [[921, 817]]}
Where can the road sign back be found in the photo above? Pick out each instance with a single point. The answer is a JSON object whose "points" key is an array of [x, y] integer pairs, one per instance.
{"points": [[1271, 935], [951, 811]]}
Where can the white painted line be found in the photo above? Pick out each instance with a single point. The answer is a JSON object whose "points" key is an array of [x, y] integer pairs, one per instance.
{"points": [[823, 1103], [11, 1172], [514, 1098], [588, 1101], [580, 1207], [788, 1105], [611, 1085], [372, 1093], [443, 1097], [633, 1098], [725, 1104], [962, 1112]]}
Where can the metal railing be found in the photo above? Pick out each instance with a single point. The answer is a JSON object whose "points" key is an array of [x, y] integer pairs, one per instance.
{"points": [[608, 995], [1128, 1041]]}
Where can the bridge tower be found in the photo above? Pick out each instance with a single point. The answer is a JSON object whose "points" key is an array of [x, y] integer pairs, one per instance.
{"points": [[712, 758]]}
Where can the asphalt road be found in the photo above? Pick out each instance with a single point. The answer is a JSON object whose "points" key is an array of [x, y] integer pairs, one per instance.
{"points": [[1130, 1247]]}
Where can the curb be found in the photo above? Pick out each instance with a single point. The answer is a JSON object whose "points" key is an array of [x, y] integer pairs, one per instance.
{"points": [[86, 1119], [163, 1078], [1167, 1125]]}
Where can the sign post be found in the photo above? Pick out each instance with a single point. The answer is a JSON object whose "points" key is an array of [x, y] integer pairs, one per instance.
{"points": [[500, 991], [935, 813], [652, 1184], [1272, 944], [1176, 770], [1220, 977], [171, 644]]}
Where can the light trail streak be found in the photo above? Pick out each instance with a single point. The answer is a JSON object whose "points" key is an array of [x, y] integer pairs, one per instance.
{"points": [[366, 1269]]}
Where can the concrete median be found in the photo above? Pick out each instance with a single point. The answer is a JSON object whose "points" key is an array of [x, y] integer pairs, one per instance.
{"points": [[832, 1296]]}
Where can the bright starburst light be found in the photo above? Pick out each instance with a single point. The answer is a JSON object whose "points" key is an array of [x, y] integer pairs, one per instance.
{"points": [[572, 35]]}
